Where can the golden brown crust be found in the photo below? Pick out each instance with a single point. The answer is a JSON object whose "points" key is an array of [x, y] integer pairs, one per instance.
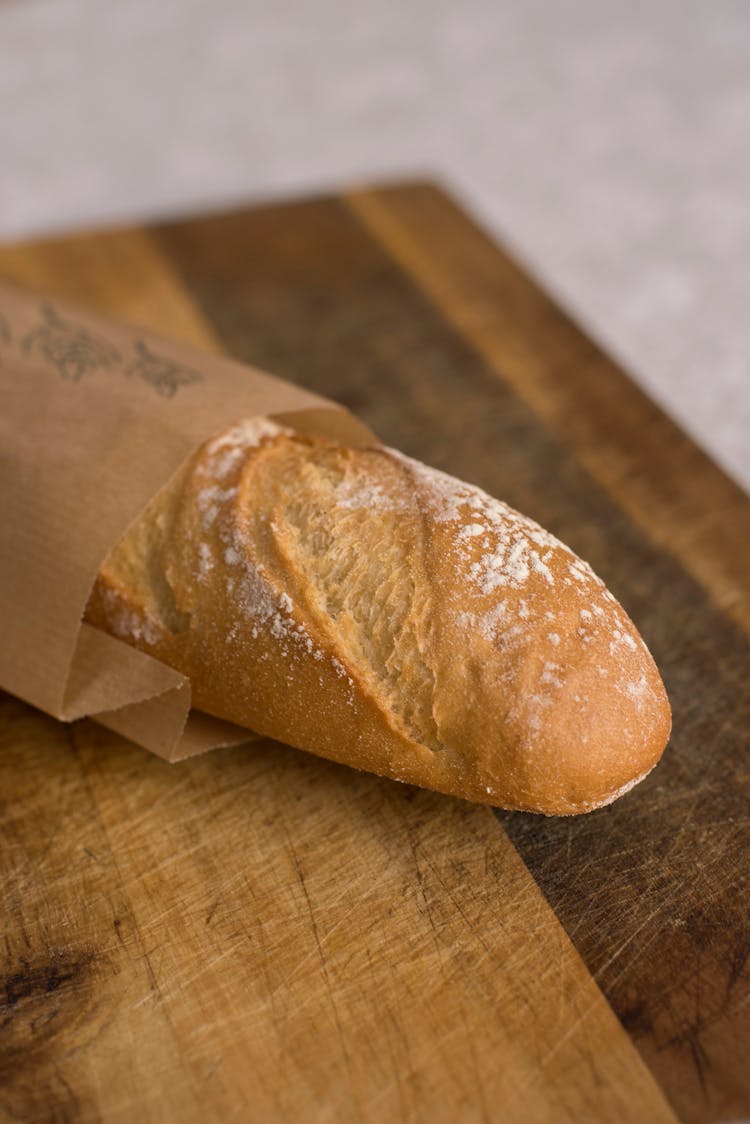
{"points": [[359, 605]]}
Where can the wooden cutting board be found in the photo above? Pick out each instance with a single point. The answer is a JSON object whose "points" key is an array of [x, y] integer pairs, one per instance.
{"points": [[260, 935]]}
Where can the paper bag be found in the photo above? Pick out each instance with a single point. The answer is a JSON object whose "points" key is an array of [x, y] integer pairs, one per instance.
{"points": [[95, 417]]}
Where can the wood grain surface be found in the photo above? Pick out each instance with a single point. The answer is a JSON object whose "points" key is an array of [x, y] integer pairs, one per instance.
{"points": [[260, 935]]}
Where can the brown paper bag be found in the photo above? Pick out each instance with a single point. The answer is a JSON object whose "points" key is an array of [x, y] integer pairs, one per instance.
{"points": [[95, 417]]}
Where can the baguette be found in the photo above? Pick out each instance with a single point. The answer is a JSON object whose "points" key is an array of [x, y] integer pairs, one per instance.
{"points": [[359, 605]]}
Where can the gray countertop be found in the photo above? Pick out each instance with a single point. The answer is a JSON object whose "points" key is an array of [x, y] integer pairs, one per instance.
{"points": [[608, 144]]}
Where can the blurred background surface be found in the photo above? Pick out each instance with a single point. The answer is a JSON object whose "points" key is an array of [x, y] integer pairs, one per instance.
{"points": [[607, 144]]}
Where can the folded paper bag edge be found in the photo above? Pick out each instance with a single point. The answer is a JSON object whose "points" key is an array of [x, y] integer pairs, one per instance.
{"points": [[156, 723], [173, 733], [108, 674]]}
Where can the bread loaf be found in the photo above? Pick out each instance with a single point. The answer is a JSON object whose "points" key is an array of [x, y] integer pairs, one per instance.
{"points": [[359, 605]]}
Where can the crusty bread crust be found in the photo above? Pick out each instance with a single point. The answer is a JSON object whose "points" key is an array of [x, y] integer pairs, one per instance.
{"points": [[359, 605]]}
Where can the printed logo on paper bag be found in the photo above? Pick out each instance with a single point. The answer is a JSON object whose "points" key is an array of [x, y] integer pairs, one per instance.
{"points": [[75, 351], [164, 375]]}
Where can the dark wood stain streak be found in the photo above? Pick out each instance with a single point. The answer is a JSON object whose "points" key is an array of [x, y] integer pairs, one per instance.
{"points": [[55, 965], [653, 890], [39, 1000], [34, 980]]}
